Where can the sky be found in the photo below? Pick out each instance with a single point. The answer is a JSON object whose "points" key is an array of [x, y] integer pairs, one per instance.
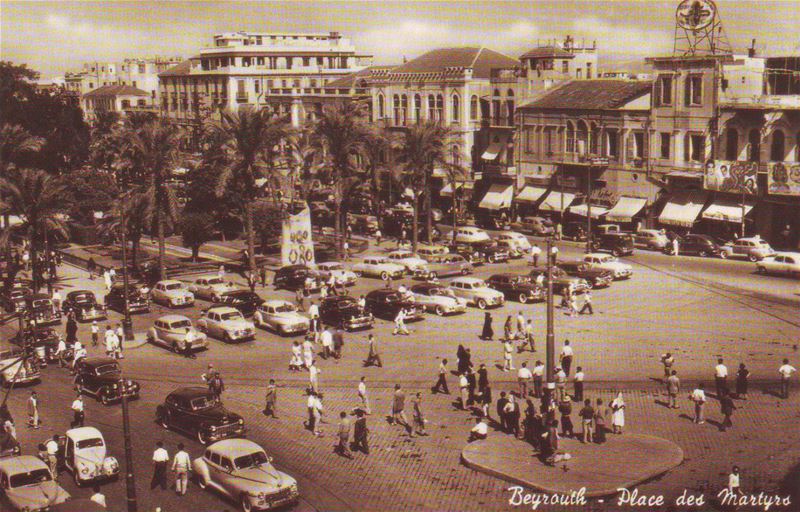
{"points": [[54, 37]]}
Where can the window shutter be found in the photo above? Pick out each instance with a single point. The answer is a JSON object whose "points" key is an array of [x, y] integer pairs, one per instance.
{"points": [[629, 149]]}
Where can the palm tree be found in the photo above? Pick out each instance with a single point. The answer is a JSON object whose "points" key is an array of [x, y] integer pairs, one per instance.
{"points": [[138, 215], [342, 136], [15, 141], [422, 148]]}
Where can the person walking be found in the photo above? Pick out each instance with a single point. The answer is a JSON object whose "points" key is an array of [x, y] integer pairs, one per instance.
{"points": [[561, 384], [485, 400], [727, 407], [418, 416], [512, 414], [77, 412], [528, 338], [508, 328], [338, 343], [95, 333], [567, 428], [538, 378], [61, 352], [400, 324], [313, 377], [441, 382], [216, 385], [667, 360], [72, 329], [734, 485], [308, 351], [33, 411], [327, 343], [675, 246], [721, 378], [786, 370], [599, 423], [51, 448], [378, 237], [271, 399], [565, 358], [487, 333], [107, 280], [343, 446], [373, 356], [673, 388], [91, 267], [399, 407], [524, 376], [360, 432], [296, 361], [508, 354], [501, 411], [698, 396], [263, 274], [160, 461], [618, 414], [462, 359], [181, 464], [587, 303], [578, 384], [742, 377], [536, 251], [362, 395], [463, 386]]}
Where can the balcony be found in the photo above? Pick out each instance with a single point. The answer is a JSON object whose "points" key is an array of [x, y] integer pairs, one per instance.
{"points": [[587, 160], [506, 75]]}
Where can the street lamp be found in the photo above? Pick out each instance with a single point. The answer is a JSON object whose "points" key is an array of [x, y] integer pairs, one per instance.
{"points": [[130, 481], [550, 339]]}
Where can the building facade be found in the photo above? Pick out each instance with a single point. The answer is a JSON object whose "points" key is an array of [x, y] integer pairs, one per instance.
{"points": [[139, 73], [114, 98]]}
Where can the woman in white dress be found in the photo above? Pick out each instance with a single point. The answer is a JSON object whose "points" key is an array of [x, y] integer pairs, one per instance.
{"points": [[618, 414], [297, 357], [308, 352]]}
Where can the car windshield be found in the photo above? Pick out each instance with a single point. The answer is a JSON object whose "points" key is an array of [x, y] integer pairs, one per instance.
{"points": [[392, 297], [233, 315], [180, 324], [174, 286], [106, 369], [84, 297], [443, 292], [333, 266], [42, 303], [285, 308], [250, 461], [89, 443], [34, 477], [203, 402], [347, 302]]}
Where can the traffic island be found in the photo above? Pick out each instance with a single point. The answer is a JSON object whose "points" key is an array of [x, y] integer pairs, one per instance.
{"points": [[623, 461]]}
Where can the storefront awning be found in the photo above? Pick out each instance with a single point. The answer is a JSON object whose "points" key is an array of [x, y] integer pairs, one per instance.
{"points": [[495, 148], [554, 201], [530, 194], [727, 210], [583, 210], [683, 208], [499, 196], [625, 209]]}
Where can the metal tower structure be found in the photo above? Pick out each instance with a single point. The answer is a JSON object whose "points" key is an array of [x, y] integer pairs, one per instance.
{"points": [[698, 30]]}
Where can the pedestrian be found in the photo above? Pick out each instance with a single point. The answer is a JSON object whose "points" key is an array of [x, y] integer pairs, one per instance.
{"points": [[72, 329], [483, 378], [565, 408], [343, 446], [98, 497], [487, 333], [675, 246], [308, 351], [33, 411], [378, 237], [485, 400], [561, 384], [536, 251], [313, 377], [441, 382], [587, 303], [208, 374], [512, 414], [181, 464], [667, 360], [578, 384], [373, 355], [462, 361], [520, 320], [538, 378], [362, 394], [618, 414], [61, 352], [734, 488], [721, 378], [524, 376], [107, 280], [398, 408], [216, 386], [360, 432], [527, 338], [263, 274], [77, 412], [110, 342], [271, 399], [508, 361], [786, 370], [673, 388], [56, 298], [572, 305], [327, 343], [565, 358], [463, 386], [160, 461], [698, 396], [296, 361], [742, 376], [727, 407], [508, 328], [91, 267], [501, 411], [399, 323], [419, 417], [51, 447], [599, 423], [554, 250], [479, 431], [221, 271], [95, 333], [78, 353]]}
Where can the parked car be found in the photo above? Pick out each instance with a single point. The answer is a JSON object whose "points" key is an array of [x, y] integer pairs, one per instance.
{"points": [[241, 471], [476, 292], [281, 317], [40, 310], [607, 262], [444, 266], [407, 259], [701, 245], [519, 240], [602, 229], [490, 222], [516, 287], [227, 324], [173, 332], [15, 298], [754, 249], [336, 270], [197, 412], [84, 304], [83, 452], [538, 226], [651, 239], [377, 266], [244, 300], [511, 248], [138, 301], [211, 288], [293, 277], [27, 485], [596, 277], [364, 224], [172, 293], [469, 253], [344, 312], [490, 251], [561, 281], [469, 234], [618, 244], [781, 264], [426, 251], [101, 378], [44, 341], [574, 231], [16, 369], [386, 303], [438, 299]]}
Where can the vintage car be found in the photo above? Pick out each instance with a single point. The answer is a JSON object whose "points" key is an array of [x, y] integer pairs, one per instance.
{"points": [[468, 235], [517, 287], [40, 310], [138, 302], [244, 300], [175, 332], [618, 244], [16, 369], [364, 224], [226, 324], [210, 288], [490, 251], [44, 341], [607, 262], [518, 240], [241, 471], [651, 239], [101, 378], [466, 251], [83, 452], [293, 277], [377, 266], [336, 270], [172, 293], [476, 292], [534, 226], [596, 277], [281, 317], [410, 261], [443, 266], [781, 264], [561, 281], [27, 485], [344, 312], [510, 248], [754, 249], [701, 245], [426, 251], [15, 298], [84, 305], [438, 299], [9, 446], [198, 413], [386, 303]]}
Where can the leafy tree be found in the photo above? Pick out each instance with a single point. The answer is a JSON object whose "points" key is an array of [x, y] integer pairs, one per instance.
{"points": [[89, 190], [195, 229], [138, 213]]}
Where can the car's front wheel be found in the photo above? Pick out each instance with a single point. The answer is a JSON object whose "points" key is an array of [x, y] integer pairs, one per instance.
{"points": [[481, 303], [202, 437], [753, 258], [723, 255], [200, 481], [523, 298], [439, 310], [384, 276], [246, 505]]}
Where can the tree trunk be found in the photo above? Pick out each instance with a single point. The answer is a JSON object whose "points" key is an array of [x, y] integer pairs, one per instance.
{"points": [[195, 253], [415, 223], [455, 212], [135, 252], [337, 221], [251, 236], [162, 267], [32, 255], [428, 213]]}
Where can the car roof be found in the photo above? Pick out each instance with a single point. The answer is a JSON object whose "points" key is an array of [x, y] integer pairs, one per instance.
{"points": [[81, 433], [570, 262], [234, 448], [222, 309], [39, 296], [508, 275], [467, 280], [97, 361], [173, 318], [276, 303], [21, 464], [425, 287], [207, 277], [80, 292], [751, 239], [190, 392], [381, 291], [170, 281]]}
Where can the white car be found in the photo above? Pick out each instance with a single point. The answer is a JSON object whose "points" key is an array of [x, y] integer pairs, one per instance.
{"points": [[519, 240], [425, 251], [27, 484], [227, 324], [469, 234], [652, 239], [85, 456], [783, 264], [438, 299], [282, 317], [476, 292], [377, 266], [608, 262], [175, 332], [211, 288], [754, 249], [336, 270], [172, 293], [410, 261]]}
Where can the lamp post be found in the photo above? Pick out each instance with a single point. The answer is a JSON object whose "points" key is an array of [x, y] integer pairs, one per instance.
{"points": [[589, 212], [130, 481], [550, 357]]}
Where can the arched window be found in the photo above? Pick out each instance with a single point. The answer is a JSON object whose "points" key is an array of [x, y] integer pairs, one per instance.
{"points": [[497, 105], [570, 137], [473, 108], [431, 107], [439, 117], [404, 109], [455, 154], [732, 144], [754, 145], [381, 106], [594, 141], [397, 113], [456, 108], [777, 151], [582, 138], [417, 107]]}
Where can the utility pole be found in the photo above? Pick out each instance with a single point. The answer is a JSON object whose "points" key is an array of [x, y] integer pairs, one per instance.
{"points": [[550, 340], [127, 323], [130, 483], [589, 212]]}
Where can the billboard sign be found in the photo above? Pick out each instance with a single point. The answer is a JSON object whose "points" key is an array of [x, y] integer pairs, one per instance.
{"points": [[731, 176], [297, 247], [783, 178]]}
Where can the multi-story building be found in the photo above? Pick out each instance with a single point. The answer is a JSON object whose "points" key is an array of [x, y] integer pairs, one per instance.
{"points": [[114, 98], [139, 73]]}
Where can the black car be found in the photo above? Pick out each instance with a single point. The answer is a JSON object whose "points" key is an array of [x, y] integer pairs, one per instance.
{"points": [[490, 251], [468, 252], [490, 222], [44, 341], [386, 303], [84, 305], [344, 312], [561, 281], [137, 301], [516, 287], [40, 310], [14, 299], [243, 300], [195, 411], [574, 231], [100, 377], [618, 244], [597, 277], [701, 245], [293, 277]]}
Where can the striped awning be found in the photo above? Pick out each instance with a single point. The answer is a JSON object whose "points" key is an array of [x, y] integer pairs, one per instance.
{"points": [[530, 194], [683, 208], [583, 210], [555, 200], [625, 209]]}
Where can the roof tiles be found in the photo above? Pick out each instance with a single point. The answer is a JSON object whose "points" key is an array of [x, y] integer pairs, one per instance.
{"points": [[592, 95]]}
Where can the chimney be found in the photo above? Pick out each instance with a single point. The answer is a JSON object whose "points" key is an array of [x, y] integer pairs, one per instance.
{"points": [[751, 52]]}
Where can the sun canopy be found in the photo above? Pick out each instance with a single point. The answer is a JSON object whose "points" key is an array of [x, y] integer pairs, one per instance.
{"points": [[530, 194], [625, 209], [583, 210], [726, 210], [495, 148], [683, 208], [499, 196], [553, 201]]}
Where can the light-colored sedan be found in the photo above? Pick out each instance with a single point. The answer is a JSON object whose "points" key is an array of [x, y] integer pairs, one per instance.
{"points": [[172, 293], [754, 249], [336, 270], [242, 471], [26, 484], [226, 324], [376, 266], [438, 299], [443, 266], [782, 264], [476, 292], [176, 333], [608, 262], [652, 239], [519, 240], [469, 234], [410, 261], [211, 288], [281, 317]]}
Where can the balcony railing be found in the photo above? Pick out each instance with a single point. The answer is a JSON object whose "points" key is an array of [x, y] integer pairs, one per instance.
{"points": [[576, 158]]}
